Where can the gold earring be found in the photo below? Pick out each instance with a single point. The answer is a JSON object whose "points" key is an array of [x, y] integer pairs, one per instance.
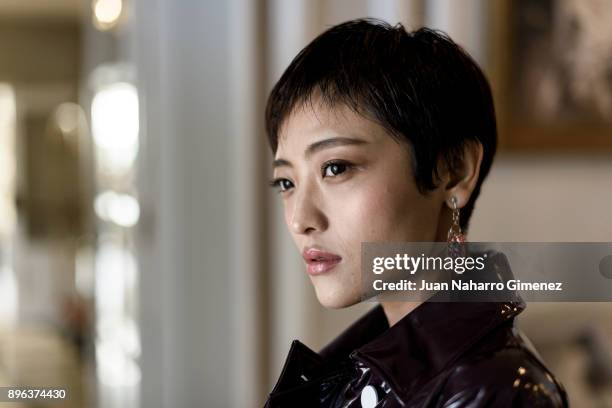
{"points": [[455, 237]]}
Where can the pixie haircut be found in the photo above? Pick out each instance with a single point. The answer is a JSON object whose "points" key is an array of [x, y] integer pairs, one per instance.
{"points": [[420, 86]]}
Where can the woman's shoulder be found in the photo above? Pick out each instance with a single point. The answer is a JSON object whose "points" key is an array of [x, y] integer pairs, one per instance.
{"points": [[508, 376]]}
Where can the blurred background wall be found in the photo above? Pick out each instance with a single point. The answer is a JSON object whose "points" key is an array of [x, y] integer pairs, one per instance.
{"points": [[140, 246]]}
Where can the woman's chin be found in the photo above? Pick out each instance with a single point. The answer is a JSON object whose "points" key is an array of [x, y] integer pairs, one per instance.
{"points": [[332, 298]]}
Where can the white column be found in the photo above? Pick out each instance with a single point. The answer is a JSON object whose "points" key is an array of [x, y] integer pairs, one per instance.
{"points": [[249, 280], [198, 251]]}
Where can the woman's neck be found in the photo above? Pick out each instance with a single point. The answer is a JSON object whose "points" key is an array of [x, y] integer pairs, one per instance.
{"points": [[396, 310]]}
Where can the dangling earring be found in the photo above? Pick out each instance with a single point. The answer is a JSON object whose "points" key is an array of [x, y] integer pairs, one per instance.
{"points": [[455, 237]]}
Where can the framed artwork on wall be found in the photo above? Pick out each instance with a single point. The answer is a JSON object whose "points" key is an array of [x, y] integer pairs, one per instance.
{"points": [[551, 69]]}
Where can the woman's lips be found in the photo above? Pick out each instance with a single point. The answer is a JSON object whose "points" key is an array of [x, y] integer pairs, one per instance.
{"points": [[319, 261]]}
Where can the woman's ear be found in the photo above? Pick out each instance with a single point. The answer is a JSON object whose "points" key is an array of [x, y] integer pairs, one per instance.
{"points": [[463, 179]]}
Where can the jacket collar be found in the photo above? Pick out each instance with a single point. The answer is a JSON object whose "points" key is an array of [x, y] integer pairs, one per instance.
{"points": [[414, 350], [422, 343], [426, 340]]}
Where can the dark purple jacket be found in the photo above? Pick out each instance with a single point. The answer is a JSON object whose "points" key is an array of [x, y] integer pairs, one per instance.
{"points": [[462, 354]]}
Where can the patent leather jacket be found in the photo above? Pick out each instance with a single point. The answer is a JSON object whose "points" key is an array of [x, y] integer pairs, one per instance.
{"points": [[461, 354]]}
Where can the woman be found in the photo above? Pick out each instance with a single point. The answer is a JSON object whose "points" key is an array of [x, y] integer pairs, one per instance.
{"points": [[380, 134]]}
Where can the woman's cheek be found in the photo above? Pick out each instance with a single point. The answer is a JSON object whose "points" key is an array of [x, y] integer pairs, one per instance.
{"points": [[366, 212], [388, 212]]}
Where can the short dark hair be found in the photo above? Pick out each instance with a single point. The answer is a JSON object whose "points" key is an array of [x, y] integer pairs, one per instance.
{"points": [[420, 86]]}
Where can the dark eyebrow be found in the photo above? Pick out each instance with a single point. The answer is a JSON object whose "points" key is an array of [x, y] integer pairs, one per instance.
{"points": [[321, 145], [332, 142], [281, 163]]}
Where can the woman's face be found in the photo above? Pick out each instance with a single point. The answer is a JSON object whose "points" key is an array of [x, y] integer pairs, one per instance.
{"points": [[343, 181]]}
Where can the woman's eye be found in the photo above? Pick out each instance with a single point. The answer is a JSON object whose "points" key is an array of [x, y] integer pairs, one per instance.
{"points": [[281, 184], [334, 169]]}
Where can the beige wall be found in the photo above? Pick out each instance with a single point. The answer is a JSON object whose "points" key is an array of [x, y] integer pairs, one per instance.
{"points": [[546, 197]]}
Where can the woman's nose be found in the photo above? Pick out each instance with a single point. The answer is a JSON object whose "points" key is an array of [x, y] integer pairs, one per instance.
{"points": [[307, 215]]}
